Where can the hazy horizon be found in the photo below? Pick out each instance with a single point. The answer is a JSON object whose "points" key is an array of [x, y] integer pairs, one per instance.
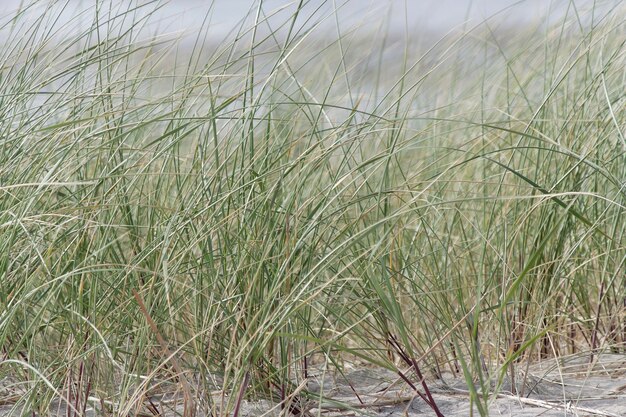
{"points": [[394, 16]]}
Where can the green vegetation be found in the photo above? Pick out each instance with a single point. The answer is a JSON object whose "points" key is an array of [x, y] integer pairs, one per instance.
{"points": [[224, 217]]}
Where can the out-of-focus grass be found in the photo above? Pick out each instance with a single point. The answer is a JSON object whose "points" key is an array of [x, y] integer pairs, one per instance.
{"points": [[224, 217]]}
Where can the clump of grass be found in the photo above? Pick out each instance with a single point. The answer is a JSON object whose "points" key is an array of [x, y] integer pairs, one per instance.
{"points": [[220, 216]]}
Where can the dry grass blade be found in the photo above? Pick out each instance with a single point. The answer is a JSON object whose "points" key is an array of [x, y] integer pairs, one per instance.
{"points": [[189, 403]]}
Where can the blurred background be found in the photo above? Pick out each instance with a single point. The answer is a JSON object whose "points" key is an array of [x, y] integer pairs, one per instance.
{"points": [[438, 17]]}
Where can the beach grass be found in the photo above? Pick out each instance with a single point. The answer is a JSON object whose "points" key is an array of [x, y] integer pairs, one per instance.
{"points": [[227, 218]]}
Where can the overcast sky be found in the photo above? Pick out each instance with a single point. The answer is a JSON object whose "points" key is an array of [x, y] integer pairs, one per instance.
{"points": [[431, 15]]}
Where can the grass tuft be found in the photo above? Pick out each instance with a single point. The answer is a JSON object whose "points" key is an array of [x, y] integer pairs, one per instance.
{"points": [[222, 220]]}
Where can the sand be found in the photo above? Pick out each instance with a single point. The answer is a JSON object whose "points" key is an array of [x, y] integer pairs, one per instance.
{"points": [[571, 386]]}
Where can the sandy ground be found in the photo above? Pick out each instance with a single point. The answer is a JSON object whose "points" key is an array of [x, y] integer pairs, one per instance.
{"points": [[568, 387]]}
